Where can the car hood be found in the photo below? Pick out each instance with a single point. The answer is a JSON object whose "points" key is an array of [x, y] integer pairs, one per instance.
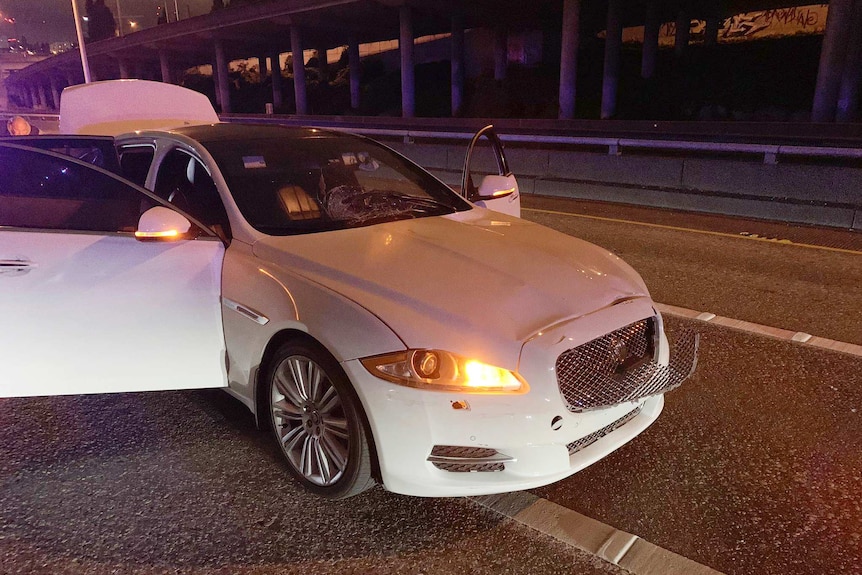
{"points": [[475, 283]]}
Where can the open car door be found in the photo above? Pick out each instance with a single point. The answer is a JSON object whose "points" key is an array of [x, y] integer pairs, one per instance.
{"points": [[498, 191], [102, 287]]}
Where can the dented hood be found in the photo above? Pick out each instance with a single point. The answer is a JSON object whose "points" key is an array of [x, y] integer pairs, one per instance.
{"points": [[475, 283]]}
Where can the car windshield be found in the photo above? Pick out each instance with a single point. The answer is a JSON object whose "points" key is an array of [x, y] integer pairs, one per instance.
{"points": [[299, 185]]}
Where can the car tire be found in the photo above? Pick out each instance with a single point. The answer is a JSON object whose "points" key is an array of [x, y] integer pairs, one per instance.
{"points": [[317, 421]]}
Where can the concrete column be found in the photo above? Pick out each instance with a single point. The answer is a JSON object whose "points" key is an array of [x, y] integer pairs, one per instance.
{"points": [[299, 88], [848, 93], [457, 62], [569, 57], [322, 63], [261, 67], [649, 56], [45, 95], [683, 32], [832, 57], [501, 53], [275, 59], [405, 47], [613, 49], [26, 96], [125, 70], [165, 65], [713, 25], [55, 91], [353, 61], [71, 79], [220, 75]]}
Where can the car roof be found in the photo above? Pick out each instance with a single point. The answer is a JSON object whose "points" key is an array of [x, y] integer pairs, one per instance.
{"points": [[232, 132]]}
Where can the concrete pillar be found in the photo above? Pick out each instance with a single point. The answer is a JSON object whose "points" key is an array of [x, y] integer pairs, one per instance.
{"points": [[220, 75], [299, 88], [125, 70], [569, 57], [501, 53], [45, 95], [26, 96], [322, 63], [55, 91], [71, 79], [832, 57], [165, 65], [405, 47], [713, 25], [848, 93], [353, 61], [457, 63], [261, 67], [649, 56], [275, 59], [613, 49], [683, 32]]}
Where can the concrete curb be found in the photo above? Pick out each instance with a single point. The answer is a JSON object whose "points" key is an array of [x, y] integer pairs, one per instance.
{"points": [[623, 549]]}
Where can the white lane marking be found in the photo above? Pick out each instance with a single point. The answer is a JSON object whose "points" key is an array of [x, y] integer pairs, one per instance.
{"points": [[628, 551], [750, 237], [760, 329]]}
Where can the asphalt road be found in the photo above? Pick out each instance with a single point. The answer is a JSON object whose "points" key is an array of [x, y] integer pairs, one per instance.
{"points": [[754, 467]]}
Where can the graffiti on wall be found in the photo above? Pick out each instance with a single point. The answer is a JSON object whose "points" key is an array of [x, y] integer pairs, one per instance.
{"points": [[777, 23]]}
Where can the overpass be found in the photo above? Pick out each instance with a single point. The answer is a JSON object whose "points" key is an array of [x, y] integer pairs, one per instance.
{"points": [[269, 28]]}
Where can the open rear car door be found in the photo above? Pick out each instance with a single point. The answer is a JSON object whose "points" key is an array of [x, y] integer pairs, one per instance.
{"points": [[103, 288]]}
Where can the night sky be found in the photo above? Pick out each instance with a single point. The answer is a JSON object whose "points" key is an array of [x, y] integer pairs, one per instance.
{"points": [[52, 21]]}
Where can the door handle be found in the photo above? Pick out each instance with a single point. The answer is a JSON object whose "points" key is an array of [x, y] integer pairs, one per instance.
{"points": [[16, 267]]}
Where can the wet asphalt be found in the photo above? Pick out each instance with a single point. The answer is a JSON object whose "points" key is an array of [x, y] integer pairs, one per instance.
{"points": [[755, 466]]}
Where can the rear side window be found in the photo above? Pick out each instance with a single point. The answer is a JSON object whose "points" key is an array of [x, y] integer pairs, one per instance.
{"points": [[42, 191], [135, 163]]}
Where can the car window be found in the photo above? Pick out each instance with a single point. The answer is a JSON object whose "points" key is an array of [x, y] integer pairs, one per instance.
{"points": [[184, 181], [44, 191], [295, 186], [135, 163], [95, 150]]}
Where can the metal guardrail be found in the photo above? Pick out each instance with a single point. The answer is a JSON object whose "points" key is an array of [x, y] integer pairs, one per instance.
{"points": [[615, 146]]}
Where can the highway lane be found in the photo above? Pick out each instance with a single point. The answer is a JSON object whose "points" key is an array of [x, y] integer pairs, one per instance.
{"points": [[182, 482], [755, 466], [817, 291]]}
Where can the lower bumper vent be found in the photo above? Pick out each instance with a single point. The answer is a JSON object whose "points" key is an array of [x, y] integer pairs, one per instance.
{"points": [[458, 459], [588, 440]]}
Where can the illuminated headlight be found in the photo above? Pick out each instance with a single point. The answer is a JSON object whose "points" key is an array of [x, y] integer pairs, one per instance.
{"points": [[444, 371]]}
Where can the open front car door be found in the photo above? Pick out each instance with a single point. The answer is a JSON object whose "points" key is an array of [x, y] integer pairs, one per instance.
{"points": [[497, 191], [102, 287]]}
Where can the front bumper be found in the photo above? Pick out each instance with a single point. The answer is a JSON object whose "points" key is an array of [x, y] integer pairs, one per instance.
{"points": [[407, 424], [432, 443]]}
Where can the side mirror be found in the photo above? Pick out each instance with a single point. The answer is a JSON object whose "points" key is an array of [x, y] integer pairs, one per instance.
{"points": [[494, 187], [162, 224]]}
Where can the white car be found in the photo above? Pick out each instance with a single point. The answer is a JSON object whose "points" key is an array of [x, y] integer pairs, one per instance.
{"points": [[380, 325]]}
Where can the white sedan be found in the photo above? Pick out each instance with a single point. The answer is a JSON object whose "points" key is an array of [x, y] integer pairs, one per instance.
{"points": [[381, 326]]}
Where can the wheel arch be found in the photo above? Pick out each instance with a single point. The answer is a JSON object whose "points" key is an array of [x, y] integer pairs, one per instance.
{"points": [[260, 390]]}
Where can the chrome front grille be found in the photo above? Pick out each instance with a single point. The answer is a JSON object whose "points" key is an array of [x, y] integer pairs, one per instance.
{"points": [[620, 367], [460, 459], [588, 440]]}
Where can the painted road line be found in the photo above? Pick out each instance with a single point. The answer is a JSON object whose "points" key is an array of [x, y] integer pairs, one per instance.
{"points": [[746, 236], [628, 551], [799, 337]]}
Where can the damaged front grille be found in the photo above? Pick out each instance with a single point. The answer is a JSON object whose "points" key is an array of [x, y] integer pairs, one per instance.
{"points": [[621, 367]]}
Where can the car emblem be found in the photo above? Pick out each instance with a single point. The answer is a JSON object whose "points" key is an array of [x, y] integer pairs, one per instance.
{"points": [[619, 350]]}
